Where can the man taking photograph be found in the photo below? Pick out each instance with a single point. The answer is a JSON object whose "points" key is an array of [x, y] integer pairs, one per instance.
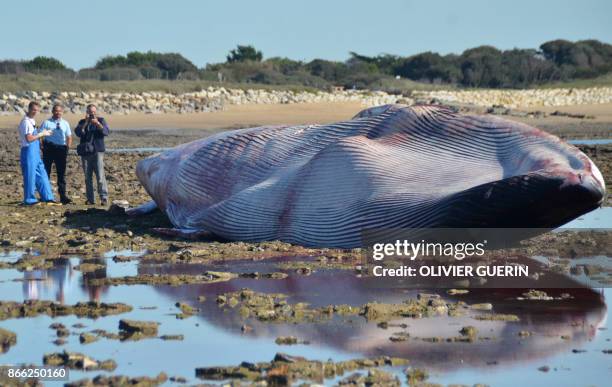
{"points": [[55, 148], [92, 130]]}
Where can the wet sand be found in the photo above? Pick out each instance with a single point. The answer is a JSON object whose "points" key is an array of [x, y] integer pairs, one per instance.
{"points": [[242, 116], [235, 116]]}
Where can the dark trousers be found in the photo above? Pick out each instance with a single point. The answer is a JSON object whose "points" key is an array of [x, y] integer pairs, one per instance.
{"points": [[56, 154]]}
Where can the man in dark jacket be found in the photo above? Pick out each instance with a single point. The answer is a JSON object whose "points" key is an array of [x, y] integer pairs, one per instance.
{"points": [[92, 130]]}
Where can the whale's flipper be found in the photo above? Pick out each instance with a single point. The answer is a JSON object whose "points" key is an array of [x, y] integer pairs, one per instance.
{"points": [[143, 209]]}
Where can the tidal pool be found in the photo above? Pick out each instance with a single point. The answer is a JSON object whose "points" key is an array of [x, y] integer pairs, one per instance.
{"points": [[597, 141], [214, 336], [568, 336]]}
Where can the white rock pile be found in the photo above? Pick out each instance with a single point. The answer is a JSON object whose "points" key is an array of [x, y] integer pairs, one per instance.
{"points": [[217, 98], [520, 98], [211, 99]]}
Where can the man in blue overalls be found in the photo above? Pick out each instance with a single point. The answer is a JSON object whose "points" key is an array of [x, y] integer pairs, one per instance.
{"points": [[55, 148], [34, 175]]}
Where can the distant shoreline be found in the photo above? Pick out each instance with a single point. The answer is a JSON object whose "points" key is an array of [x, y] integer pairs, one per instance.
{"points": [[164, 128]]}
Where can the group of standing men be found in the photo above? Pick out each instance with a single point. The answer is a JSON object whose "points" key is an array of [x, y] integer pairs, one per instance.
{"points": [[54, 139]]}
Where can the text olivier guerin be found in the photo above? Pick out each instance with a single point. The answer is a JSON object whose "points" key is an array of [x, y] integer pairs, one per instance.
{"points": [[409, 251]]}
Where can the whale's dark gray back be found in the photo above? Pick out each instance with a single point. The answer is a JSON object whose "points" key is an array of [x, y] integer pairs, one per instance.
{"points": [[389, 167]]}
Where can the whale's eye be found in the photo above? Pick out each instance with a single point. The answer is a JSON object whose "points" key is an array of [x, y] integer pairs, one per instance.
{"points": [[575, 163]]}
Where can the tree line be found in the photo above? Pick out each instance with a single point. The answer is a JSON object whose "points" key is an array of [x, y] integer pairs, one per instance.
{"points": [[484, 66]]}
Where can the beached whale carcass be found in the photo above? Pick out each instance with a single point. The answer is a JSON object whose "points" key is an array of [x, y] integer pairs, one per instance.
{"points": [[391, 166]]}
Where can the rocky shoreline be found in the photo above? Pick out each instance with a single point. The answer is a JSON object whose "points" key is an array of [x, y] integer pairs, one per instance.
{"points": [[217, 98], [527, 98], [208, 100]]}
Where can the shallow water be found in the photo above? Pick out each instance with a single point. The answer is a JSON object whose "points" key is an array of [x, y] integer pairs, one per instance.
{"points": [[214, 337], [11, 256], [599, 141], [601, 218]]}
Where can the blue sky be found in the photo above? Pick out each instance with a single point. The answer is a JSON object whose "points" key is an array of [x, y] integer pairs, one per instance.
{"points": [[80, 32]]}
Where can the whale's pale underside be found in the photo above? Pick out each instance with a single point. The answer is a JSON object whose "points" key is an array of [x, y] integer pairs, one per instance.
{"points": [[391, 166]]}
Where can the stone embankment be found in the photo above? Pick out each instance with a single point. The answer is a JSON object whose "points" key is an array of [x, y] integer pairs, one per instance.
{"points": [[213, 99], [528, 98]]}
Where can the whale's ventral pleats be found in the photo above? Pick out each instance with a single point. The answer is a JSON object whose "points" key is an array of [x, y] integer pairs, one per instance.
{"points": [[391, 166]]}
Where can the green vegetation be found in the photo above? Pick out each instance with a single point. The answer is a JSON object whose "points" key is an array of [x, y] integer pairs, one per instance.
{"points": [[37, 82], [148, 65], [603, 80], [244, 54], [559, 62]]}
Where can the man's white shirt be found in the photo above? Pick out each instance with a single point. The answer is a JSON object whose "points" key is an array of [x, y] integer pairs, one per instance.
{"points": [[26, 126]]}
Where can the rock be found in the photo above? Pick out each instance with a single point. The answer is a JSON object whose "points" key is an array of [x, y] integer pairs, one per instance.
{"points": [[77, 361], [456, 292], [374, 377], [172, 337], [119, 380], [285, 358], [77, 242], [536, 295], [178, 379], [416, 375], [469, 331], [497, 317], [7, 339], [286, 340], [122, 258], [86, 338], [400, 336], [62, 332], [31, 308], [483, 306], [148, 328], [89, 267], [186, 309], [427, 296]]}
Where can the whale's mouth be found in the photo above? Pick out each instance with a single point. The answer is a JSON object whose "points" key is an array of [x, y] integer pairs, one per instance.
{"points": [[535, 200], [570, 202]]}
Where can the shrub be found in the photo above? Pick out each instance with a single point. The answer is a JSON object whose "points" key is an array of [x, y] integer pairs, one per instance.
{"points": [[243, 54]]}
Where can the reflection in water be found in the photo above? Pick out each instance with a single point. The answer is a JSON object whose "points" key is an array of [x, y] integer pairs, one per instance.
{"points": [[548, 321], [11, 256], [54, 283], [50, 283], [556, 326]]}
